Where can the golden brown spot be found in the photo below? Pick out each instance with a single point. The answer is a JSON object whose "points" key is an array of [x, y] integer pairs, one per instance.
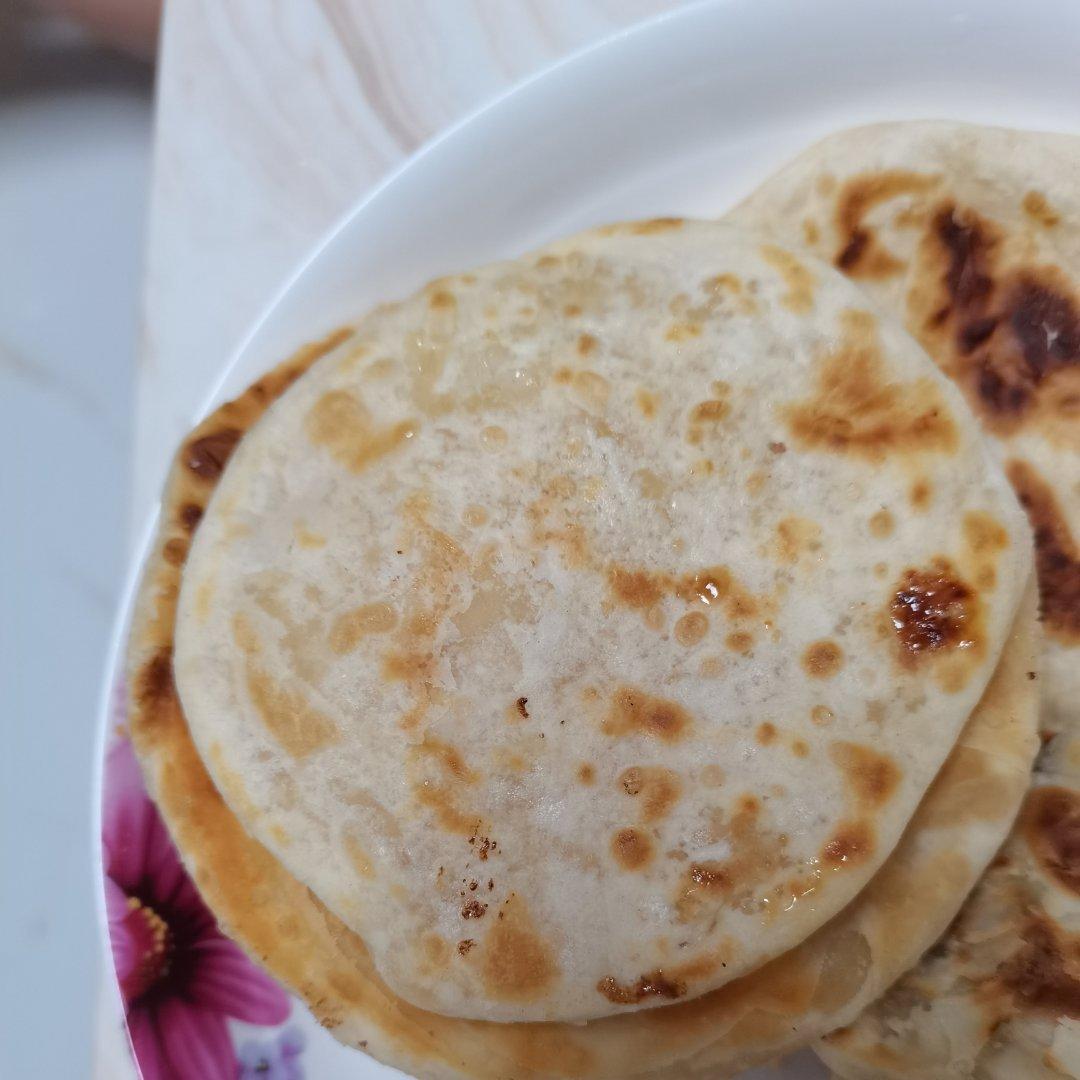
{"points": [[811, 232], [796, 536], [766, 733], [851, 844], [631, 849], [920, 495], [708, 586], [493, 437], [189, 516], [739, 641], [857, 409], [448, 758], [636, 588], [636, 712], [306, 538], [245, 636], [154, 686], [710, 411], [657, 225], [412, 667], [708, 414], [351, 626], [682, 331], [174, 551], [342, 423], [800, 748], [473, 909], [296, 725], [591, 388], [572, 311], [647, 401], [716, 585], [1057, 557], [822, 659], [586, 773], [516, 963], [208, 455], [586, 344], [799, 280], [655, 984], [1050, 822], [1044, 974], [1039, 209], [441, 299], [691, 628], [983, 533], [861, 255], [552, 520], [359, 858], [655, 788], [882, 524], [755, 482], [871, 777], [935, 609], [821, 716]]}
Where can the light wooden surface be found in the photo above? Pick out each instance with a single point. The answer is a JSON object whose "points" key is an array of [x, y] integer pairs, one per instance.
{"points": [[274, 117]]}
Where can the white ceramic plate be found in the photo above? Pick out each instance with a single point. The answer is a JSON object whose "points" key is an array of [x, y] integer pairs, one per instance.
{"points": [[681, 115]]}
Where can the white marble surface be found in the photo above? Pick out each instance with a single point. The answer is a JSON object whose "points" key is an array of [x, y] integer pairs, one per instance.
{"points": [[274, 117], [74, 169]]}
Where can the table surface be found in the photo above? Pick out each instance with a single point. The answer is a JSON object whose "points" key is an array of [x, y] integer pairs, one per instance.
{"points": [[273, 118]]}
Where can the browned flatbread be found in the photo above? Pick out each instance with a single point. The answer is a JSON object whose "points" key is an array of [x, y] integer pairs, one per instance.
{"points": [[971, 236], [492, 546], [284, 927]]}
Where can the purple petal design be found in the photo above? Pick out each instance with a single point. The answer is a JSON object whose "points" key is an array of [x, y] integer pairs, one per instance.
{"points": [[196, 1042], [180, 977], [226, 980]]}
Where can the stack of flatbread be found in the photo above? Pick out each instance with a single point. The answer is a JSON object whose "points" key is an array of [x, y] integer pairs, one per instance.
{"points": [[626, 661]]}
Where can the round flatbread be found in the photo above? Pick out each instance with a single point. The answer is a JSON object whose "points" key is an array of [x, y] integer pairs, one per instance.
{"points": [[999, 997], [971, 235], [820, 984], [573, 638]]}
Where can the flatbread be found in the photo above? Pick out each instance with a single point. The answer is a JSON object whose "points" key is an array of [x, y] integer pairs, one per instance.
{"points": [[971, 235], [999, 997], [448, 633], [821, 984]]}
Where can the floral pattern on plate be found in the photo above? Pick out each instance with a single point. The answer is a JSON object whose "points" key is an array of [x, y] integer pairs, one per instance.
{"points": [[181, 979]]}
